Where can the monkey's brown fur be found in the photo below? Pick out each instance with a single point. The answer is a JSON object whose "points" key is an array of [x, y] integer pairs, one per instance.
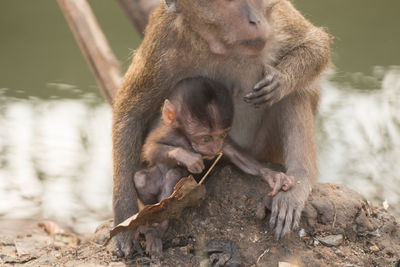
{"points": [[282, 131]]}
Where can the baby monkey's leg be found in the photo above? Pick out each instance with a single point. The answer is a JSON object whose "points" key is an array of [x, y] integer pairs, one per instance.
{"points": [[154, 233], [148, 184], [171, 179]]}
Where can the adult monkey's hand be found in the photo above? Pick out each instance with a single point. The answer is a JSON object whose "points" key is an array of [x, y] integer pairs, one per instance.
{"points": [[271, 89], [286, 208]]}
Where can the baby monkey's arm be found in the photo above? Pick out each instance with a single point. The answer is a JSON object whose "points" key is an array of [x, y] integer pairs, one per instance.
{"points": [[173, 155], [276, 180]]}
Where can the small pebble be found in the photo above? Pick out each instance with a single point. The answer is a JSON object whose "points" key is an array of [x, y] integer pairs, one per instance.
{"points": [[331, 240], [287, 264], [385, 204], [302, 233], [374, 248]]}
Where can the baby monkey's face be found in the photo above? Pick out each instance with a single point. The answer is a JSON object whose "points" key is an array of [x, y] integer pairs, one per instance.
{"points": [[206, 141]]}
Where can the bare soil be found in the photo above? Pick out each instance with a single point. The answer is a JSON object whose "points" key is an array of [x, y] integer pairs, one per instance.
{"points": [[339, 228]]}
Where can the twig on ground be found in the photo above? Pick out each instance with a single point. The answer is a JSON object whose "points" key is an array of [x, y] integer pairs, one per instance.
{"points": [[262, 255]]}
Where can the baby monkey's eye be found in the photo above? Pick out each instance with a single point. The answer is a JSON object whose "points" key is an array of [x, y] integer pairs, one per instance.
{"points": [[206, 139], [222, 136]]}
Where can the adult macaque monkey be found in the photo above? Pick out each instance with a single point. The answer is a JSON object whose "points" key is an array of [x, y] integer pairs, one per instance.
{"points": [[266, 52]]}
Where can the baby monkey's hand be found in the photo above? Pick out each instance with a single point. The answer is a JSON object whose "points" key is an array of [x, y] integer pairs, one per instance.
{"points": [[193, 161], [277, 181]]}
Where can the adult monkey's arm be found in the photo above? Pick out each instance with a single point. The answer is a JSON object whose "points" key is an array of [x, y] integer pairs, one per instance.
{"points": [[305, 55], [290, 85]]}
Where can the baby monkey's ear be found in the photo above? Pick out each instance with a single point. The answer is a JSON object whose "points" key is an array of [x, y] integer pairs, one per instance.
{"points": [[168, 112]]}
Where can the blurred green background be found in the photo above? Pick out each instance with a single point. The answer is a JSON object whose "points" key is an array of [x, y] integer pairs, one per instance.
{"points": [[37, 47]]}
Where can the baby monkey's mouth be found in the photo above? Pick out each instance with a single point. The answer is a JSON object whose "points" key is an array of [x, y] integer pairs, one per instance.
{"points": [[209, 157]]}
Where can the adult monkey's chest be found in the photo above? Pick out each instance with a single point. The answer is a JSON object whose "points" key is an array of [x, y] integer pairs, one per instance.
{"points": [[240, 77]]}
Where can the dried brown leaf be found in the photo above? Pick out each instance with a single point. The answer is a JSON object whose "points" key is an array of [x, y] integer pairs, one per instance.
{"points": [[51, 228], [187, 193]]}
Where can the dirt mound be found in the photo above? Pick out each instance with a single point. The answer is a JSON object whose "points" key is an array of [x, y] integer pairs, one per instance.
{"points": [[339, 228]]}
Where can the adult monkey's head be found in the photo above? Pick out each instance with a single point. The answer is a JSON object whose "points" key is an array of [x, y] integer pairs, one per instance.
{"points": [[228, 26]]}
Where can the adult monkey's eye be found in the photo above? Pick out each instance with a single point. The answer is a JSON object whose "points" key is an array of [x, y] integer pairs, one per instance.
{"points": [[206, 139]]}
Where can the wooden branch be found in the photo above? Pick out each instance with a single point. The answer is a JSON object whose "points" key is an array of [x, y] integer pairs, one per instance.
{"points": [[93, 45], [138, 11]]}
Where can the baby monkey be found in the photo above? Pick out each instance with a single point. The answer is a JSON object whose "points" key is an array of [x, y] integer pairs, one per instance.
{"points": [[193, 126]]}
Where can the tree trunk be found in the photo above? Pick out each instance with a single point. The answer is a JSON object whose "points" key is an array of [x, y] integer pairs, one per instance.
{"points": [[93, 45]]}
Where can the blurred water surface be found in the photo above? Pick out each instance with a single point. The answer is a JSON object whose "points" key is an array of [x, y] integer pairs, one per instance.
{"points": [[55, 129]]}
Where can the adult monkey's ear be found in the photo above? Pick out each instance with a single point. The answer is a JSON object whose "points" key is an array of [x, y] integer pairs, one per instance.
{"points": [[171, 4]]}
